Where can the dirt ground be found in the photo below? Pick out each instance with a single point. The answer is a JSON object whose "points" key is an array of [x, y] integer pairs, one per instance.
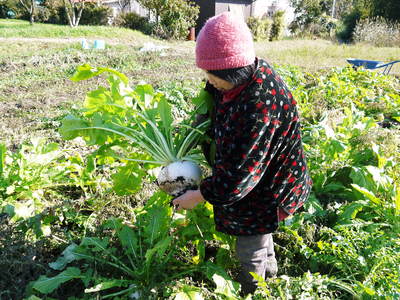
{"points": [[35, 90]]}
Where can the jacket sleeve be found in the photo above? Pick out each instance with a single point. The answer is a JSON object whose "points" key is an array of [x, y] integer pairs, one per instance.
{"points": [[242, 144]]}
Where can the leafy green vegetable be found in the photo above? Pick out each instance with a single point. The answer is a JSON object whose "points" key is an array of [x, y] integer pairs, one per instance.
{"points": [[66, 257], [140, 116], [46, 285], [2, 158], [343, 244], [85, 72], [204, 102], [105, 285]]}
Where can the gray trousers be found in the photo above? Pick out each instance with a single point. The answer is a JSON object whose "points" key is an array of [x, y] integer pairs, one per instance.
{"points": [[256, 254]]}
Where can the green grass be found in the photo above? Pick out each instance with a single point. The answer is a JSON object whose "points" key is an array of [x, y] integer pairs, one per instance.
{"points": [[20, 28]]}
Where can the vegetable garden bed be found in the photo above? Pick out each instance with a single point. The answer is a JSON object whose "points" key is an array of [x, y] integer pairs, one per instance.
{"points": [[344, 243], [85, 222]]}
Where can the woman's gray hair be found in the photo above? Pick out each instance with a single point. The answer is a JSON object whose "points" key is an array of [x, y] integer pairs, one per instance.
{"points": [[236, 76]]}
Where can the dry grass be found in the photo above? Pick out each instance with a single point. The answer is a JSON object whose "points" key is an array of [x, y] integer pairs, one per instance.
{"points": [[34, 78], [312, 55], [378, 32]]}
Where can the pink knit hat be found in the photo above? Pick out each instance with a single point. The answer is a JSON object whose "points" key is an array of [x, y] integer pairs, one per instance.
{"points": [[224, 42]]}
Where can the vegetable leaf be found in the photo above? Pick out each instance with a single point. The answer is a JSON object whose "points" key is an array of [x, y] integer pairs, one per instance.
{"points": [[3, 151], [66, 257], [95, 244], [164, 109], [107, 285], [146, 94], [156, 223], [225, 285], [128, 179], [86, 72], [350, 212], [69, 127], [369, 195], [128, 239], [189, 293], [204, 102], [159, 248], [46, 285]]}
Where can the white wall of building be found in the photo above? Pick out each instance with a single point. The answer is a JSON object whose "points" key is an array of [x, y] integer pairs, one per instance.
{"points": [[133, 6], [260, 8], [137, 8], [240, 9], [289, 10]]}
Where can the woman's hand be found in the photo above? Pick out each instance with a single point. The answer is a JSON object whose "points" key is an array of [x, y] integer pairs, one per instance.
{"points": [[188, 200]]}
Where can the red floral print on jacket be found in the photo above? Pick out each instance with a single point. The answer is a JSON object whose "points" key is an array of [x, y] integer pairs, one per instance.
{"points": [[260, 175]]}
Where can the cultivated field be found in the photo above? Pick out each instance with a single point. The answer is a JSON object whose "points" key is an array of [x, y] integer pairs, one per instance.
{"points": [[93, 226], [36, 63]]}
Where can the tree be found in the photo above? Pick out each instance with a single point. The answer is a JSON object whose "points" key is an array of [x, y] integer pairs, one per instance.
{"points": [[74, 9], [155, 6], [8, 8], [360, 9], [173, 17], [278, 25], [389, 9], [123, 4], [178, 17], [313, 17], [310, 10], [30, 7], [341, 8]]}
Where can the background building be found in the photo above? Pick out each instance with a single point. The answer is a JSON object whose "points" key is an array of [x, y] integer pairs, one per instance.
{"points": [[244, 8], [210, 8]]}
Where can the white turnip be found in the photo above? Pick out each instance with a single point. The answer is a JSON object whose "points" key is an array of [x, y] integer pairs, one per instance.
{"points": [[178, 177]]}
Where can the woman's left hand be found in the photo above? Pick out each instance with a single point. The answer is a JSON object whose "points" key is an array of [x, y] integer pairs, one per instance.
{"points": [[188, 200]]}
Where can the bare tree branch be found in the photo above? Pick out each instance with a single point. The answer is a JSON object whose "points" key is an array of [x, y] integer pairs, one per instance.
{"points": [[74, 11], [80, 13], [30, 9], [123, 4]]}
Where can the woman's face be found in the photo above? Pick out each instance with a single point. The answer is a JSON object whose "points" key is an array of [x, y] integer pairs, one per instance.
{"points": [[218, 83]]}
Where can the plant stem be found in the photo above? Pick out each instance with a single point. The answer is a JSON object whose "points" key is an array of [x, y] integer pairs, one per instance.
{"points": [[120, 292]]}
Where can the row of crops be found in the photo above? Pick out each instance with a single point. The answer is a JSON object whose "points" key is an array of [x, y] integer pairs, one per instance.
{"points": [[91, 197]]}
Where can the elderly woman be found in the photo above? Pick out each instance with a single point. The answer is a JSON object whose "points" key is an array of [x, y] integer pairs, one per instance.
{"points": [[259, 173]]}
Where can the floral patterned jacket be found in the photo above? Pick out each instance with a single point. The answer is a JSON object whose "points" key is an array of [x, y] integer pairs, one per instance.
{"points": [[259, 171]]}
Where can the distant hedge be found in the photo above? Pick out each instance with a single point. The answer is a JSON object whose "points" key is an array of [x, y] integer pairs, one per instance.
{"points": [[54, 13]]}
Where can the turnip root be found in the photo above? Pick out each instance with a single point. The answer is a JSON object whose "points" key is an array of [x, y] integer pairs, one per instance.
{"points": [[178, 177]]}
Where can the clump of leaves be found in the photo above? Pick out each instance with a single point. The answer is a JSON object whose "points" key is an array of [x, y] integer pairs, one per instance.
{"points": [[307, 286], [260, 27], [140, 259], [337, 88], [133, 119], [33, 174], [143, 255], [349, 227]]}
